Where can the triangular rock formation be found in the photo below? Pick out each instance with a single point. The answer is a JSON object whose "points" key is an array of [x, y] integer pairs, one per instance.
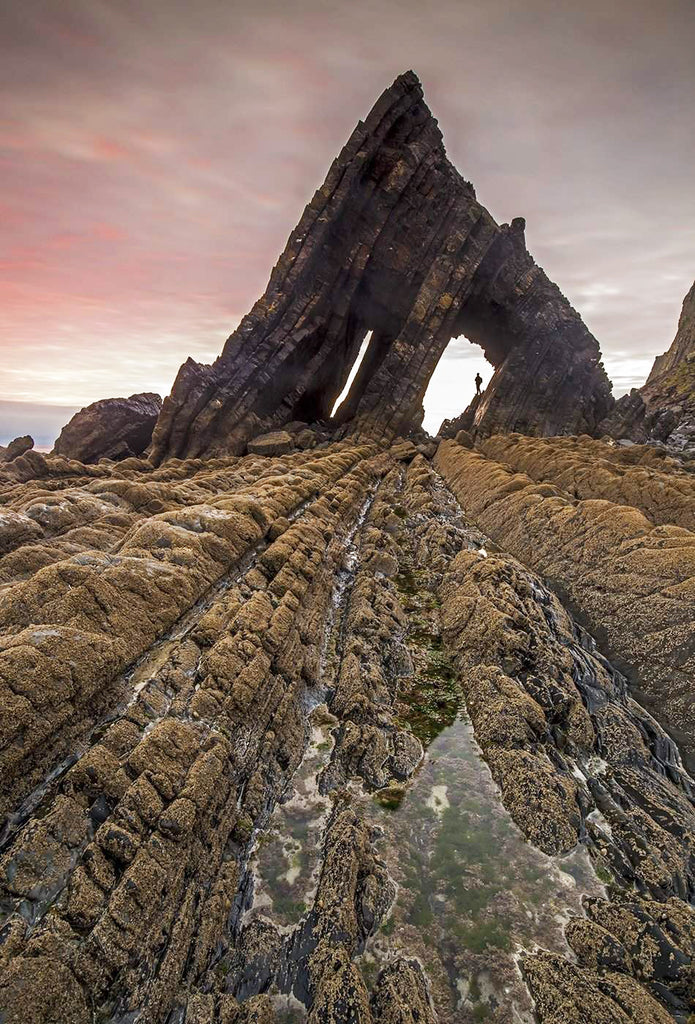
{"points": [[394, 242]]}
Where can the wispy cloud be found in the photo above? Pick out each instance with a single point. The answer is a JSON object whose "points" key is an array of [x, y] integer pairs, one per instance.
{"points": [[155, 157]]}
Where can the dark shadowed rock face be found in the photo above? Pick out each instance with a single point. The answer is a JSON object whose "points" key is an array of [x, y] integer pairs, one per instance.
{"points": [[683, 344], [450, 428], [15, 448], [114, 428], [396, 244], [664, 409]]}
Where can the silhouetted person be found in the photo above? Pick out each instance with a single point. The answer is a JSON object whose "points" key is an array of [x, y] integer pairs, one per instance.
{"points": [[478, 382]]}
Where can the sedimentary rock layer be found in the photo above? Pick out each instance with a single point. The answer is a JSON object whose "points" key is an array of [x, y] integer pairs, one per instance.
{"points": [[220, 683], [664, 409], [641, 476], [634, 582], [396, 244]]}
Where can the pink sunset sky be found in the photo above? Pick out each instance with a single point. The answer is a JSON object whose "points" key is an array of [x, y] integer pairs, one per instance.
{"points": [[155, 154]]}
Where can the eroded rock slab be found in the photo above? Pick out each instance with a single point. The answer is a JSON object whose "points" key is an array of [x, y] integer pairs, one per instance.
{"points": [[634, 582], [278, 442], [114, 428]]}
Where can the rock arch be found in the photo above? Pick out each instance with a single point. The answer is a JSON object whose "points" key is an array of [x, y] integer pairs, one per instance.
{"points": [[396, 243]]}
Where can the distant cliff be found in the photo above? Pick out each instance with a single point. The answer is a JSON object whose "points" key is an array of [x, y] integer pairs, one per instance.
{"points": [[664, 408]]}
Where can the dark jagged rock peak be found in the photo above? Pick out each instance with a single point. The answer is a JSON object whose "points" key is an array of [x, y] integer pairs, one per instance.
{"points": [[683, 344], [394, 242], [664, 408], [114, 428]]}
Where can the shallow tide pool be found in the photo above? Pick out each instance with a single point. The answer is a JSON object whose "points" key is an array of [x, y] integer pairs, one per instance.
{"points": [[472, 892]]}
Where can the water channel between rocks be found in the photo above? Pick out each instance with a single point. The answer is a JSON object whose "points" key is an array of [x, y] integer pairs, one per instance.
{"points": [[472, 893]]}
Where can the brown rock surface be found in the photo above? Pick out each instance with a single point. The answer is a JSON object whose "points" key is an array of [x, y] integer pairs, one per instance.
{"points": [[279, 442], [114, 428], [394, 242], [585, 468], [633, 582], [15, 448], [223, 680]]}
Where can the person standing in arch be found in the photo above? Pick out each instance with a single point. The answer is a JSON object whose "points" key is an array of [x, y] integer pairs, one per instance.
{"points": [[478, 382]]}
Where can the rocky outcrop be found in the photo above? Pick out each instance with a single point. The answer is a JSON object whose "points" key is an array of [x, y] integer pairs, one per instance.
{"points": [[683, 344], [224, 683], [396, 244], [450, 428], [15, 448], [664, 409], [641, 476], [634, 582], [114, 428]]}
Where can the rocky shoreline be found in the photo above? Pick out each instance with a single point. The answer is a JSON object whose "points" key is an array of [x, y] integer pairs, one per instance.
{"points": [[319, 620]]}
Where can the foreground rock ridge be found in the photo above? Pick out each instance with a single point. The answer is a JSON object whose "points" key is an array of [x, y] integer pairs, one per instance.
{"points": [[395, 245], [309, 737]]}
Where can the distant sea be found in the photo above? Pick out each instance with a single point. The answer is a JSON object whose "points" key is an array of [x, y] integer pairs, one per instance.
{"points": [[43, 422]]}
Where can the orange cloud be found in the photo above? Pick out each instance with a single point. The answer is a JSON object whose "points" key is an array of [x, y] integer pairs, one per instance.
{"points": [[109, 149], [109, 232]]}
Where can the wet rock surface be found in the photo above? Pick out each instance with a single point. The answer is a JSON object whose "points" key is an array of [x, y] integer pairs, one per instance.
{"points": [[287, 738], [114, 428]]}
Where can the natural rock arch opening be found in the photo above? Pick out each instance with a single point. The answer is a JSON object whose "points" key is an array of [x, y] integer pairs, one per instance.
{"points": [[451, 387], [394, 242]]}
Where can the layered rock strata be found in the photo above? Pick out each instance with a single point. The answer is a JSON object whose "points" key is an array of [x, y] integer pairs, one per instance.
{"points": [[114, 428], [640, 476], [664, 408], [393, 244], [633, 582], [136, 832], [193, 655]]}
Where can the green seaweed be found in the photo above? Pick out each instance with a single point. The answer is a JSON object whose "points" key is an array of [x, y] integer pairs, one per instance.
{"points": [[603, 874], [390, 798], [432, 699], [482, 935], [481, 1011]]}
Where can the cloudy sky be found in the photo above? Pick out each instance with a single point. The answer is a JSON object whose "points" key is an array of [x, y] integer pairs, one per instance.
{"points": [[156, 154]]}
